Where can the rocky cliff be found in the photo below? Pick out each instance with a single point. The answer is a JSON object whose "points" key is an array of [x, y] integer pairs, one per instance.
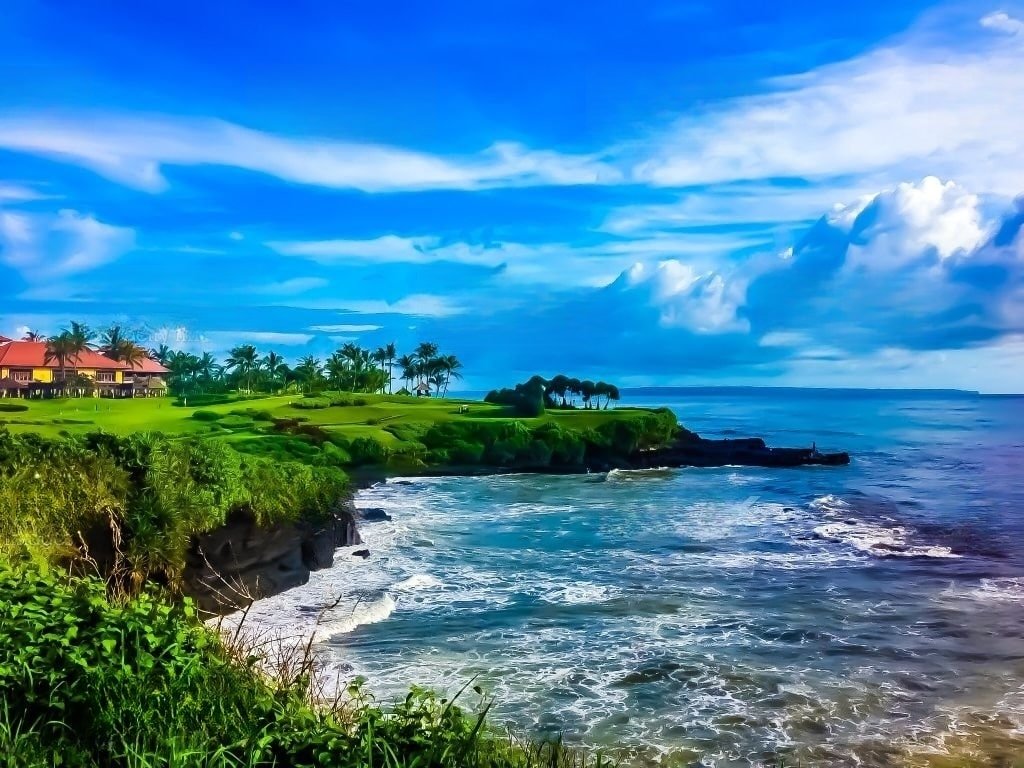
{"points": [[241, 562]]}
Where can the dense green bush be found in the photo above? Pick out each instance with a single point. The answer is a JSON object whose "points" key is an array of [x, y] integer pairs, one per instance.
{"points": [[202, 415], [88, 682], [366, 450], [13, 407], [311, 403]]}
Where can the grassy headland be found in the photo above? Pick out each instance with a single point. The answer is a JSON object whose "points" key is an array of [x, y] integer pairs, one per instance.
{"points": [[116, 669]]}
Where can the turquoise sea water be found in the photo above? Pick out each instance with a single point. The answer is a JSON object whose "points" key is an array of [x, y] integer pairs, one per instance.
{"points": [[835, 615]]}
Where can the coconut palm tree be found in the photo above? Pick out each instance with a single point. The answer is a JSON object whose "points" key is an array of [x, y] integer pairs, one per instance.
{"points": [[31, 335], [450, 366], [161, 354], [337, 370], [61, 349], [275, 367], [408, 365], [244, 361], [380, 357], [112, 342], [390, 351], [309, 370]]}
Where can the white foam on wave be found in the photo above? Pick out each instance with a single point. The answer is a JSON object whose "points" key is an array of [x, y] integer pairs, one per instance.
{"points": [[880, 540], [416, 582], [627, 474], [579, 594], [995, 590], [361, 614]]}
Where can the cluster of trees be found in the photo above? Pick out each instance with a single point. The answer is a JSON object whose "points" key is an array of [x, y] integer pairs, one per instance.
{"points": [[532, 397], [350, 368]]}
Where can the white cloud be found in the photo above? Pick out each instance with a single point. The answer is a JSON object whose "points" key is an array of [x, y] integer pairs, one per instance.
{"points": [[1003, 22], [902, 111], [230, 338], [134, 150], [43, 247], [236, 236], [291, 287], [421, 305], [344, 328], [16, 193], [702, 302]]}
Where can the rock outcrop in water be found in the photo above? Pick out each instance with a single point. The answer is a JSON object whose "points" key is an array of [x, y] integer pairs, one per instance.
{"points": [[691, 450], [240, 562]]}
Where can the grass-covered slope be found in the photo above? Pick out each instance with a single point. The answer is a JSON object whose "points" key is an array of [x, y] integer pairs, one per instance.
{"points": [[87, 681], [340, 429]]}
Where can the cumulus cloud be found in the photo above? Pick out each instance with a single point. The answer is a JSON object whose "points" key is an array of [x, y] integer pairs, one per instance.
{"points": [[43, 247], [134, 150], [921, 269]]}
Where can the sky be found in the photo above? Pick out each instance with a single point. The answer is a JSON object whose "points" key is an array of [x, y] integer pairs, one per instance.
{"points": [[797, 193]]}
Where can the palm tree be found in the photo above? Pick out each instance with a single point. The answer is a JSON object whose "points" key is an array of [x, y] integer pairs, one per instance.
{"points": [[337, 370], [308, 370], [408, 365], [61, 349], [131, 354], [275, 367], [112, 342], [380, 356], [161, 354], [31, 335], [83, 336], [243, 360], [207, 367], [426, 351], [390, 351], [450, 365]]}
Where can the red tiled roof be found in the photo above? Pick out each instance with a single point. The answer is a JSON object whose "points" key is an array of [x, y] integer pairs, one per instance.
{"points": [[148, 365], [3, 339], [32, 354]]}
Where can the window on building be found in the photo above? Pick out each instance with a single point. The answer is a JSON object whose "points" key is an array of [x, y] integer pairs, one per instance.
{"points": [[21, 375], [105, 377]]}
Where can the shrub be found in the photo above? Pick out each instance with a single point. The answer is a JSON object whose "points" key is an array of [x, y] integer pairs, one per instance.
{"points": [[311, 403], [207, 415], [366, 450], [12, 407]]}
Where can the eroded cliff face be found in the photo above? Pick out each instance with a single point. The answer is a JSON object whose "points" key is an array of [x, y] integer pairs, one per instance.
{"points": [[241, 562]]}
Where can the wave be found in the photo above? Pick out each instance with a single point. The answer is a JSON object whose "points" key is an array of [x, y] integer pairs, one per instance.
{"points": [[995, 590], [579, 594], [418, 581], [360, 615], [880, 540], [625, 474]]}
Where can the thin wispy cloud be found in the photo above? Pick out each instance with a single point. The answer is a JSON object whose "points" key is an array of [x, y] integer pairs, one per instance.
{"points": [[43, 247], [134, 150], [907, 109]]}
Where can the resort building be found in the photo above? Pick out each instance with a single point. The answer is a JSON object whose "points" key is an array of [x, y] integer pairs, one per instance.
{"points": [[25, 371]]}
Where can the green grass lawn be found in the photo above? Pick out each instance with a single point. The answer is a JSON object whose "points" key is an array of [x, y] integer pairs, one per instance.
{"points": [[83, 415]]}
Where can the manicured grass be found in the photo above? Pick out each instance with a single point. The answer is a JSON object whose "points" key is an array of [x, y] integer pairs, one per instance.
{"points": [[123, 417]]}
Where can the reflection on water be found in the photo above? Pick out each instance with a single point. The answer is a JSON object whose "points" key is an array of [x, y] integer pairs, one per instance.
{"points": [[872, 614]]}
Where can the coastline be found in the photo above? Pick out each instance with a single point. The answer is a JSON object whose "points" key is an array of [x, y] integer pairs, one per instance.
{"points": [[241, 563]]}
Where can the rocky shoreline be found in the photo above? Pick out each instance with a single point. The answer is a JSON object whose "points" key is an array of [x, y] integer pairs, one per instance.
{"points": [[229, 568]]}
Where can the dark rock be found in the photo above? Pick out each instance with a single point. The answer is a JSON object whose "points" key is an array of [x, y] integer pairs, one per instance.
{"points": [[363, 553], [228, 568], [692, 450], [374, 515]]}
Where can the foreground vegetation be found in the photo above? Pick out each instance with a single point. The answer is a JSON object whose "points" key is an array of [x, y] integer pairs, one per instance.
{"points": [[118, 671], [90, 681]]}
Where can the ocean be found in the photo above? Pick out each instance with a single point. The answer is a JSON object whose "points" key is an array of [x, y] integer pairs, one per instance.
{"points": [[863, 615]]}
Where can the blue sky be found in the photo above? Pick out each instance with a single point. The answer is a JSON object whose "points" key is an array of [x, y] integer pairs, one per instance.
{"points": [[685, 193]]}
